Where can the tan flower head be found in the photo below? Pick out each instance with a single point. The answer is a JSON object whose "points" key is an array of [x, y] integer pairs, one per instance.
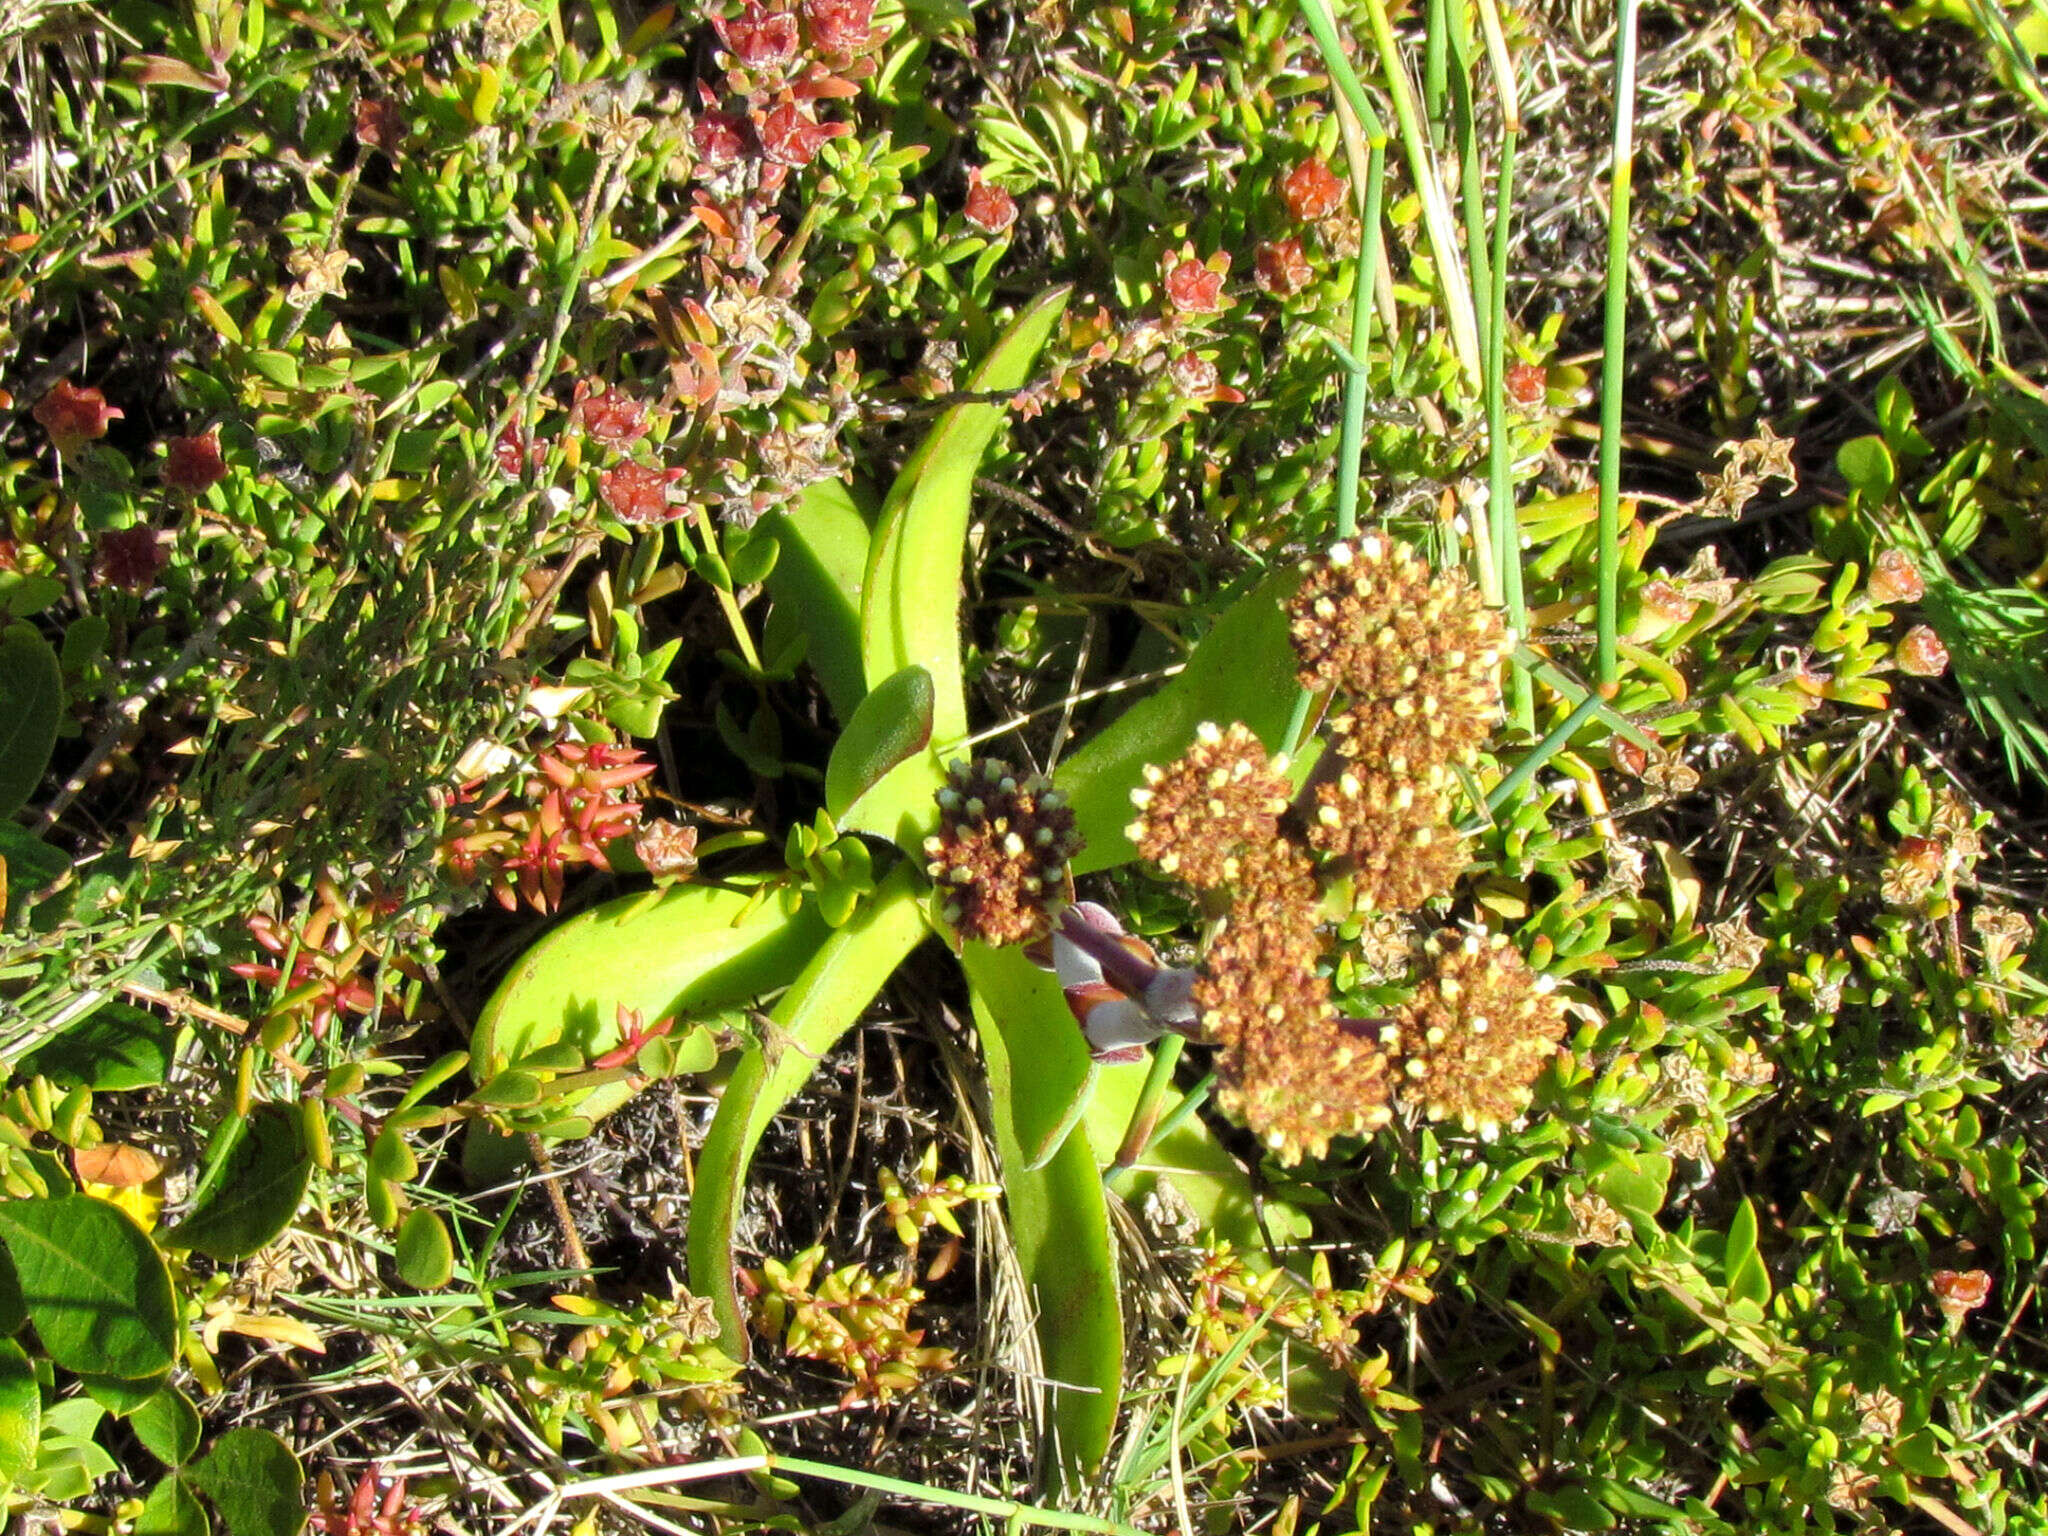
{"points": [[1204, 815], [1416, 653], [1478, 1032], [1392, 833], [1001, 851], [1288, 1067]]}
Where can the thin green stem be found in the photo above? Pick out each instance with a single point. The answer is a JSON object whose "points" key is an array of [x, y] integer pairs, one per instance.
{"points": [[1322, 25], [1500, 492], [1142, 1130], [1357, 388], [1608, 668], [1542, 753], [797, 1466], [734, 619]]}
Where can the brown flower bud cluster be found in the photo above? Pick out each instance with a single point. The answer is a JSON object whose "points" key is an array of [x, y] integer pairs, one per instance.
{"points": [[1414, 660], [1000, 854], [1477, 1033], [1413, 657]]}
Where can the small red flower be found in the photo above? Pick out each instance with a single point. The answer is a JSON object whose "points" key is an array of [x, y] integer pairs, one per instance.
{"points": [[1959, 1293], [1312, 191], [129, 558], [1894, 578], [380, 125], [1281, 268], [194, 463], [1195, 379], [720, 139], [639, 494], [514, 451], [1527, 383], [74, 416], [789, 136], [840, 29], [759, 38], [1195, 287], [1921, 652], [990, 208], [617, 420]]}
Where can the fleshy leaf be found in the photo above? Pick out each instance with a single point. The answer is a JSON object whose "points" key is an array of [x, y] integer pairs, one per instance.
{"points": [[31, 707], [255, 1482], [892, 724]]}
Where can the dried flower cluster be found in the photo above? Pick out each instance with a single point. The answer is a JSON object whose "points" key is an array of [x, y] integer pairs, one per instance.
{"points": [[1477, 1032], [578, 802], [1000, 854], [1412, 659]]}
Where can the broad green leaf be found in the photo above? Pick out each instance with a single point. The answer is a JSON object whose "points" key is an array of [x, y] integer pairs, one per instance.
{"points": [[910, 611], [1058, 1213], [690, 950], [21, 1413], [257, 1193], [425, 1253], [1242, 670], [31, 707], [31, 866], [892, 724], [117, 1048], [94, 1285], [121, 1396], [825, 1001], [168, 1426], [816, 587], [255, 1482], [172, 1510]]}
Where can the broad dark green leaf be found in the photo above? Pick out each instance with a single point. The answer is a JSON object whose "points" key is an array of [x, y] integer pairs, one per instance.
{"points": [[258, 1193], [892, 724], [121, 1396], [94, 1285], [255, 1482], [168, 1426], [117, 1048], [1242, 670], [31, 707]]}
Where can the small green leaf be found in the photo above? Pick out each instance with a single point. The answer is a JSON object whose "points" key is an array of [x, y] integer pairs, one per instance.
{"points": [[510, 1089], [168, 1426], [93, 1284], [891, 725], [425, 1253], [1866, 463], [172, 1510], [255, 1482], [31, 708], [258, 1193], [21, 1413]]}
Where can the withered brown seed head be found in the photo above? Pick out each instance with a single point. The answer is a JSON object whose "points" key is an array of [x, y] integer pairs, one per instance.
{"points": [[1287, 1066], [1477, 1034], [1214, 811], [1415, 653], [1000, 854], [1392, 832]]}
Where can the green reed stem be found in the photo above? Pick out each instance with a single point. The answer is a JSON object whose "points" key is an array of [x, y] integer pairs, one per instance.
{"points": [[1614, 336]]}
